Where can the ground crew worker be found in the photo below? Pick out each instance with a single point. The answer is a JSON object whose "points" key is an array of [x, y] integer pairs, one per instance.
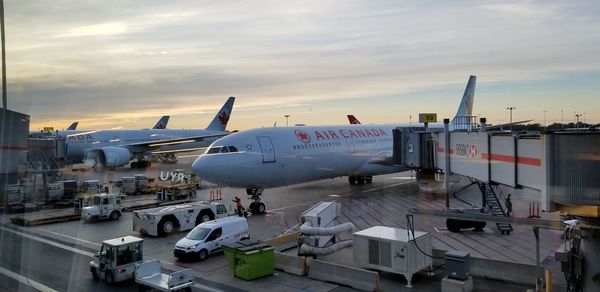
{"points": [[508, 204], [240, 207]]}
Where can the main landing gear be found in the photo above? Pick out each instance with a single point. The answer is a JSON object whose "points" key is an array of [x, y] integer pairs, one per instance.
{"points": [[360, 179], [140, 164], [256, 207], [167, 158]]}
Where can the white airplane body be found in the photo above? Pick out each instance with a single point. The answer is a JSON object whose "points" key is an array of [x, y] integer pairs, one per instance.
{"points": [[273, 157], [112, 148]]}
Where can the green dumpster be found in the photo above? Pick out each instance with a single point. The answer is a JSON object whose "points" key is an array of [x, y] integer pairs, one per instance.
{"points": [[250, 260]]}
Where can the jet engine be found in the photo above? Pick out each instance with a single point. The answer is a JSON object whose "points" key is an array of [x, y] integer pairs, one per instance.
{"points": [[108, 156]]}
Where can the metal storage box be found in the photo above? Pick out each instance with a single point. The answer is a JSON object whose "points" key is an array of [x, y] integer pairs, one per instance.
{"points": [[56, 191], [388, 249], [322, 214], [128, 184], [92, 186], [457, 264]]}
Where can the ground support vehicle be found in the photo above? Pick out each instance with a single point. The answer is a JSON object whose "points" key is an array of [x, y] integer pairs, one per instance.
{"points": [[117, 259], [208, 237], [149, 277], [102, 206], [162, 221]]}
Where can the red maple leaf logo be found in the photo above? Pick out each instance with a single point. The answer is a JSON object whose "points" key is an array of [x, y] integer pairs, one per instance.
{"points": [[224, 118], [302, 136]]}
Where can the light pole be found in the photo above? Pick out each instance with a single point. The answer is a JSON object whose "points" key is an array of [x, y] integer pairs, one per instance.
{"points": [[544, 118], [577, 120], [562, 120], [286, 119], [510, 109]]}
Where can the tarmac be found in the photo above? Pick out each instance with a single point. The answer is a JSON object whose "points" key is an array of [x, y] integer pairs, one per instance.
{"points": [[384, 202]]}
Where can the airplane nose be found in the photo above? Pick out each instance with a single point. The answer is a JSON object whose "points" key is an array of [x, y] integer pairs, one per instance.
{"points": [[200, 167]]}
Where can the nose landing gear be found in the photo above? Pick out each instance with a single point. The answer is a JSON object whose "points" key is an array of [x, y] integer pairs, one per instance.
{"points": [[360, 179], [256, 207]]}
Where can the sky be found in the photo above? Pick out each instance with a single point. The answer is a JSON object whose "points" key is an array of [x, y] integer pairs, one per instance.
{"points": [[110, 64]]}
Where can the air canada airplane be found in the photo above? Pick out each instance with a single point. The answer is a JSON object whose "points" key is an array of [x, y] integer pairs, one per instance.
{"points": [[113, 148], [272, 157]]}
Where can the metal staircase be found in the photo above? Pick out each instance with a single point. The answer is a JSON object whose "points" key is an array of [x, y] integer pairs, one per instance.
{"points": [[492, 200], [40, 162]]}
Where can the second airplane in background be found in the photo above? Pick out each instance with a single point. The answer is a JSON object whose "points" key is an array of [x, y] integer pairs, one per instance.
{"points": [[272, 157], [113, 148]]}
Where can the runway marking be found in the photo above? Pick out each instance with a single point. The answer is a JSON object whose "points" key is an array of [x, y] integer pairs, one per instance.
{"points": [[370, 190], [288, 207], [31, 283], [49, 242], [207, 288], [340, 195], [70, 237], [388, 186]]}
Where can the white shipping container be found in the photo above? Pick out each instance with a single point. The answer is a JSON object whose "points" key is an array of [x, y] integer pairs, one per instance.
{"points": [[388, 249]]}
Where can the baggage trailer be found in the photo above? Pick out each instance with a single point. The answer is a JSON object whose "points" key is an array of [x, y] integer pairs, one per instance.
{"points": [[162, 221], [149, 277]]}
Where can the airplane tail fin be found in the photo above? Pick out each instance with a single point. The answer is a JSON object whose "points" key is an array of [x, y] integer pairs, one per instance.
{"points": [[162, 123], [466, 104], [219, 123], [353, 120], [73, 126]]}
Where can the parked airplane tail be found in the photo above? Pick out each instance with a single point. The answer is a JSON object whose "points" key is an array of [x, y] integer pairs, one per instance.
{"points": [[219, 123], [162, 123], [353, 120], [466, 104], [73, 126]]}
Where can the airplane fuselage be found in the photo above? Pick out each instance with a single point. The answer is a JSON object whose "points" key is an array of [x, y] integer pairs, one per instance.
{"points": [[272, 157]]}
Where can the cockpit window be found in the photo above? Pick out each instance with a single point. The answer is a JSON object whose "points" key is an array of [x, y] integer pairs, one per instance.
{"points": [[214, 149], [221, 149]]}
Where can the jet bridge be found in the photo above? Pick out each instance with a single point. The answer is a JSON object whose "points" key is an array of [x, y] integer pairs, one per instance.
{"points": [[563, 166]]}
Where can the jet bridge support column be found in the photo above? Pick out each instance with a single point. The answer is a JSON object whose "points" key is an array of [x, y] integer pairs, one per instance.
{"points": [[447, 161]]}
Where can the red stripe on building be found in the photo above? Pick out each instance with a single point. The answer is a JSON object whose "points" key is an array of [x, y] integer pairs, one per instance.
{"points": [[529, 161], [13, 148], [511, 159], [441, 150]]}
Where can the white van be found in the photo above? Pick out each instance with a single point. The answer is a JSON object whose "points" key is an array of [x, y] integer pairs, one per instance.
{"points": [[206, 238]]}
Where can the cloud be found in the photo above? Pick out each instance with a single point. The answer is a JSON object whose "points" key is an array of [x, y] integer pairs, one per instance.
{"points": [[141, 59]]}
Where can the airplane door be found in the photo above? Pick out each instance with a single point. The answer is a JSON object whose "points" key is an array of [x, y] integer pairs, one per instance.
{"points": [[267, 149], [351, 146]]}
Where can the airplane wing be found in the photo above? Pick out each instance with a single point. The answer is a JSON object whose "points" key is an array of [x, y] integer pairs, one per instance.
{"points": [[155, 145], [500, 126]]}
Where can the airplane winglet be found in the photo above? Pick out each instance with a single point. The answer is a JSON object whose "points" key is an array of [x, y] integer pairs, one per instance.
{"points": [[219, 123]]}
